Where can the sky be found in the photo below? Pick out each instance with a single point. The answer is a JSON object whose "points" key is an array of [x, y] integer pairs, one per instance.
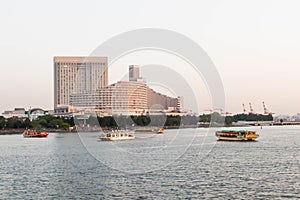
{"points": [[255, 45]]}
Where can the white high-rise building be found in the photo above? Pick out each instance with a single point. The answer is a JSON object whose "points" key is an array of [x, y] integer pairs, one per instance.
{"points": [[74, 75]]}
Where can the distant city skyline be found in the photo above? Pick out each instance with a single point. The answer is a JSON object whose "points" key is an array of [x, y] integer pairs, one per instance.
{"points": [[254, 45]]}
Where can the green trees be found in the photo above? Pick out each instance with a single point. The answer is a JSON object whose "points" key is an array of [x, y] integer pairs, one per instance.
{"points": [[122, 121], [2, 122], [252, 117], [52, 122], [27, 123], [141, 120], [173, 121], [189, 120], [204, 118], [217, 118], [214, 117], [92, 121], [107, 121], [49, 121], [14, 122], [228, 120]]}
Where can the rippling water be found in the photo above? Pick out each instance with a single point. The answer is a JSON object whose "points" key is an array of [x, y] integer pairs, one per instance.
{"points": [[193, 165]]}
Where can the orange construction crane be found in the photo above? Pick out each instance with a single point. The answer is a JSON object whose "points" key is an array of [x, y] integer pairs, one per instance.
{"points": [[266, 111], [244, 109], [251, 109]]}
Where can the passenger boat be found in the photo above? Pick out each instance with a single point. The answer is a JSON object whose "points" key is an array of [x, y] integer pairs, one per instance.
{"points": [[237, 135], [33, 133], [117, 136]]}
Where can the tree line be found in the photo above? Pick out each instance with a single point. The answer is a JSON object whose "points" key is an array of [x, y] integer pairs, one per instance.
{"points": [[52, 122], [130, 121], [47, 121], [228, 120]]}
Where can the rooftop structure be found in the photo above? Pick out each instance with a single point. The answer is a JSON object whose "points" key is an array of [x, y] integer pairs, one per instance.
{"points": [[134, 72]]}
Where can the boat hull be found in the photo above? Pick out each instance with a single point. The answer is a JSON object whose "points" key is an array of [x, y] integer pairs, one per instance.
{"points": [[117, 139], [35, 136], [220, 138]]}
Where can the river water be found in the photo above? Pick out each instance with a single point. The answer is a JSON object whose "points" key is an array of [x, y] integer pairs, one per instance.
{"points": [[189, 164]]}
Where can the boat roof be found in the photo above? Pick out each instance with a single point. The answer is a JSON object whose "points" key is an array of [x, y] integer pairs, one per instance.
{"points": [[236, 131]]}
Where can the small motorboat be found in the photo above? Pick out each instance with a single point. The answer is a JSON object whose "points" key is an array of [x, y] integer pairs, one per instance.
{"points": [[34, 133], [160, 131]]}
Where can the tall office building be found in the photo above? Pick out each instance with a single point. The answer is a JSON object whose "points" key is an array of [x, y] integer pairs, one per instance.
{"points": [[134, 72], [74, 75]]}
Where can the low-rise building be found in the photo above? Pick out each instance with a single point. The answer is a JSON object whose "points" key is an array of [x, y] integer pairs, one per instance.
{"points": [[17, 112]]}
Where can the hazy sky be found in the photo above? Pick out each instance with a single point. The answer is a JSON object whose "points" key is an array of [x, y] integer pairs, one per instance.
{"points": [[255, 44]]}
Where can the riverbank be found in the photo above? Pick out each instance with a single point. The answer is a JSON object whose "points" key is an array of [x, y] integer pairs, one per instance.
{"points": [[11, 131], [20, 131], [96, 129]]}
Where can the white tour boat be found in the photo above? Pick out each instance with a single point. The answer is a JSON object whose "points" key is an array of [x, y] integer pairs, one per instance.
{"points": [[117, 136]]}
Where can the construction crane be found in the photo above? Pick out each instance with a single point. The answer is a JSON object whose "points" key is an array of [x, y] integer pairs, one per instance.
{"points": [[251, 109], [244, 109], [266, 111]]}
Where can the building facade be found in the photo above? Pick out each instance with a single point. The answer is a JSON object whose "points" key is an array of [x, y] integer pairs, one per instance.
{"points": [[126, 98], [77, 75]]}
